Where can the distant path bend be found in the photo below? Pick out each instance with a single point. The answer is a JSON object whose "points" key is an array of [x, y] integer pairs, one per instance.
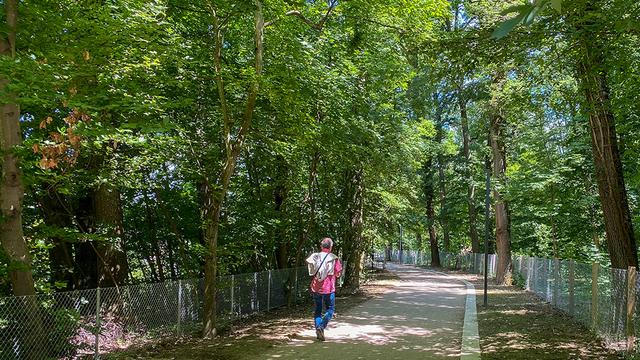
{"points": [[420, 318]]}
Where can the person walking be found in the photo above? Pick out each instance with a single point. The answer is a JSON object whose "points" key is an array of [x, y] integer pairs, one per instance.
{"points": [[325, 268]]}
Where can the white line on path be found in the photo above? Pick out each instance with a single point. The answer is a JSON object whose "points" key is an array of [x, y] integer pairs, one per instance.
{"points": [[470, 336]]}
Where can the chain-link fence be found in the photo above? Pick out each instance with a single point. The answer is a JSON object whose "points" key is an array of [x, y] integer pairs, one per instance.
{"points": [[601, 298], [87, 323]]}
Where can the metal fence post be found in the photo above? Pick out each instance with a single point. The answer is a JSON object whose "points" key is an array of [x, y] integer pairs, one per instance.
{"points": [[556, 280], [631, 307], [97, 344], [233, 285], [179, 306], [572, 285], [255, 291], [594, 296], [269, 292], [297, 290]]}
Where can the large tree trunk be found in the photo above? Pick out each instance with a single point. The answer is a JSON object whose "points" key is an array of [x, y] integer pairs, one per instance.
{"points": [[11, 188], [61, 252], [471, 188], [11, 195], [431, 217], [621, 242], [86, 264], [214, 198], [113, 267], [354, 244], [503, 237]]}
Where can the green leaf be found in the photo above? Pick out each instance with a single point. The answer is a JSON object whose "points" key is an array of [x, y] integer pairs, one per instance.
{"points": [[508, 25], [532, 15], [556, 4]]}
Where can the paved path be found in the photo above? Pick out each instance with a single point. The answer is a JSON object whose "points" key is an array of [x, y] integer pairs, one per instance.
{"points": [[420, 318]]}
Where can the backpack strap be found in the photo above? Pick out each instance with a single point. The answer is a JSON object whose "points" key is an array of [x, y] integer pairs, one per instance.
{"points": [[320, 267]]}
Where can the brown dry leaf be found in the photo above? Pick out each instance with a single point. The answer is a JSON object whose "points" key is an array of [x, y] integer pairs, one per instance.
{"points": [[73, 91], [85, 55], [36, 148], [74, 140], [56, 136], [43, 124]]}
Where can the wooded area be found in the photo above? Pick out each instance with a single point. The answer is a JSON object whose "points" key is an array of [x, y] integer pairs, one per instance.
{"points": [[144, 141]]}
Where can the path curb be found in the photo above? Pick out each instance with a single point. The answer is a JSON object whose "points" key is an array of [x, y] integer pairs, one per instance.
{"points": [[470, 336]]}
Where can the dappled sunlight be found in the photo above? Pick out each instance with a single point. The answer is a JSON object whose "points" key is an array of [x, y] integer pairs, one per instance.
{"points": [[517, 325], [420, 318]]}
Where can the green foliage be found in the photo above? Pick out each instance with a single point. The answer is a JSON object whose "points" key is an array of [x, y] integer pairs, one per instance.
{"points": [[377, 89]]}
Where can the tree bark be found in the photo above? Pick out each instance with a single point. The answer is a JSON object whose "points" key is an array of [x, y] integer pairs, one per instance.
{"points": [[503, 237], [621, 243], [11, 187], [431, 218], [11, 196], [113, 267], [471, 188], [354, 244], [86, 264], [446, 242], [61, 252]]}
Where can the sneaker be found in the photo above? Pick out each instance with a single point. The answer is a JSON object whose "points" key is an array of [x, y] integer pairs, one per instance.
{"points": [[320, 333]]}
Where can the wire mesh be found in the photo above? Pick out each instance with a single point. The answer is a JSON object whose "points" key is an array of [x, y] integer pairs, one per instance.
{"points": [[594, 295], [81, 324]]}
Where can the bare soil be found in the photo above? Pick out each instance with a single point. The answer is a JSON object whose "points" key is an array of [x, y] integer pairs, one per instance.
{"points": [[516, 324], [255, 335]]}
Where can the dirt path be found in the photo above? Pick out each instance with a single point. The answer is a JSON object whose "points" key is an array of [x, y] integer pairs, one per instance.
{"points": [[408, 314], [420, 318]]}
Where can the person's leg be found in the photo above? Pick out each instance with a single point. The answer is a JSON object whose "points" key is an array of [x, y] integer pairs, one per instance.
{"points": [[317, 314], [330, 304]]}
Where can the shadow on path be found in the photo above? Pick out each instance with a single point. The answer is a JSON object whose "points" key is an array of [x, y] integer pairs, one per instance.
{"points": [[420, 318]]}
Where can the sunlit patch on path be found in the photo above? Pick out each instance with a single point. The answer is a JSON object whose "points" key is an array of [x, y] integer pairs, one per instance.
{"points": [[420, 318]]}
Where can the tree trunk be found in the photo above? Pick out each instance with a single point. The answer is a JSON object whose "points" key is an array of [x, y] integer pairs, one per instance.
{"points": [[443, 194], [621, 243], [213, 205], [152, 226], [11, 195], [11, 187], [279, 197], [431, 218], [61, 253], [308, 206], [503, 237], [471, 188], [213, 199], [354, 244], [113, 267]]}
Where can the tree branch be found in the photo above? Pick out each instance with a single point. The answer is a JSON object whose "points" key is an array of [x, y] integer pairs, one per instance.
{"points": [[217, 60]]}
